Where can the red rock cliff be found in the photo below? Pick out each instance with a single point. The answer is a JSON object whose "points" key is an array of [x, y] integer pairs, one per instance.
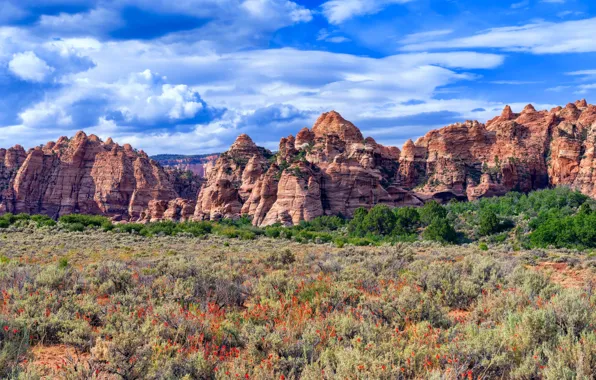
{"points": [[332, 169], [81, 175]]}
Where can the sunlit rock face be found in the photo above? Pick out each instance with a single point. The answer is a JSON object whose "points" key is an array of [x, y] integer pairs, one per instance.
{"points": [[331, 169], [81, 175]]}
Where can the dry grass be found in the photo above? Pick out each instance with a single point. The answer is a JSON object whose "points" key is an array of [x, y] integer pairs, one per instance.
{"points": [[268, 309]]}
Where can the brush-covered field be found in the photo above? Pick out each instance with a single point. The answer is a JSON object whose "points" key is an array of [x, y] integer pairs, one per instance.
{"points": [[501, 288], [93, 304]]}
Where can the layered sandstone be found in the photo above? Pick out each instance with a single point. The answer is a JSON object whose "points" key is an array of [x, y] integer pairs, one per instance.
{"points": [[81, 175], [330, 169]]}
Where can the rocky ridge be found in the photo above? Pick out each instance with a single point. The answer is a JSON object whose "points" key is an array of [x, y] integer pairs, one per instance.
{"points": [[81, 175], [330, 169]]}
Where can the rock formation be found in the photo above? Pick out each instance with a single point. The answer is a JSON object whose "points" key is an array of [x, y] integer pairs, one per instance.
{"points": [[330, 169], [81, 175]]}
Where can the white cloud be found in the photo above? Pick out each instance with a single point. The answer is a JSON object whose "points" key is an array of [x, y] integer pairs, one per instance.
{"points": [[221, 24], [338, 11], [241, 82], [538, 38], [268, 9], [558, 88], [582, 73], [514, 82], [325, 35], [45, 114], [93, 22], [29, 67], [425, 36], [145, 96], [585, 88], [564, 14], [521, 4]]}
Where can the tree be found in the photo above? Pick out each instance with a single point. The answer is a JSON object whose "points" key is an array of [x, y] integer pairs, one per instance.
{"points": [[407, 220], [355, 227], [430, 211], [440, 230], [379, 221], [489, 223]]}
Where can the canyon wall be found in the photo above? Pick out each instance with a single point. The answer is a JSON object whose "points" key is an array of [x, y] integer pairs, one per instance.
{"points": [[81, 175], [331, 169]]}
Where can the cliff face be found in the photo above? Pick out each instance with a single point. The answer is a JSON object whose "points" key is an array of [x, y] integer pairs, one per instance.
{"points": [[330, 169], [81, 175], [515, 151]]}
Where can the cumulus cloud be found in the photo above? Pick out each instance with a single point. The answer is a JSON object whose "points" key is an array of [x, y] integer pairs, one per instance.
{"points": [[339, 11], [537, 38], [45, 114], [268, 9], [194, 88], [29, 67], [147, 99], [266, 93]]}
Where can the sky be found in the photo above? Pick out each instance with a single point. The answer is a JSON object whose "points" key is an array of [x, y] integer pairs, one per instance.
{"points": [[188, 76]]}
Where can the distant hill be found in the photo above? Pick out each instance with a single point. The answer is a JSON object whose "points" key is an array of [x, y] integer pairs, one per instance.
{"points": [[190, 157], [199, 164]]}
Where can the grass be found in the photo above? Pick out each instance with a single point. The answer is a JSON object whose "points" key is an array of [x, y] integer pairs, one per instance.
{"points": [[498, 288], [210, 306]]}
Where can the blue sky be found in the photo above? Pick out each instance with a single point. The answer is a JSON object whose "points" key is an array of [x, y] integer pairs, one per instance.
{"points": [[189, 76]]}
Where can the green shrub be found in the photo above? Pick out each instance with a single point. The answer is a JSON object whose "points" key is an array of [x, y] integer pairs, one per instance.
{"points": [[323, 223], [571, 231], [85, 220], [131, 228], [273, 232], [441, 230], [489, 223], [22, 216], [74, 227], [355, 227], [407, 220], [43, 220], [63, 263], [430, 211], [380, 220]]}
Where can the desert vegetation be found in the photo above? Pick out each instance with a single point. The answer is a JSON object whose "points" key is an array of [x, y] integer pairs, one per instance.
{"points": [[499, 288]]}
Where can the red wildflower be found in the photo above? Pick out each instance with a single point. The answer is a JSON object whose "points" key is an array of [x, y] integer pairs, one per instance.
{"points": [[5, 328]]}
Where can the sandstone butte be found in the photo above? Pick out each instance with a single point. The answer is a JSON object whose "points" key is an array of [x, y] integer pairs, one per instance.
{"points": [[330, 169]]}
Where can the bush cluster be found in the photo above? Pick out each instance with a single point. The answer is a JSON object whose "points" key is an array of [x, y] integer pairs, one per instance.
{"points": [[280, 310], [559, 217]]}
